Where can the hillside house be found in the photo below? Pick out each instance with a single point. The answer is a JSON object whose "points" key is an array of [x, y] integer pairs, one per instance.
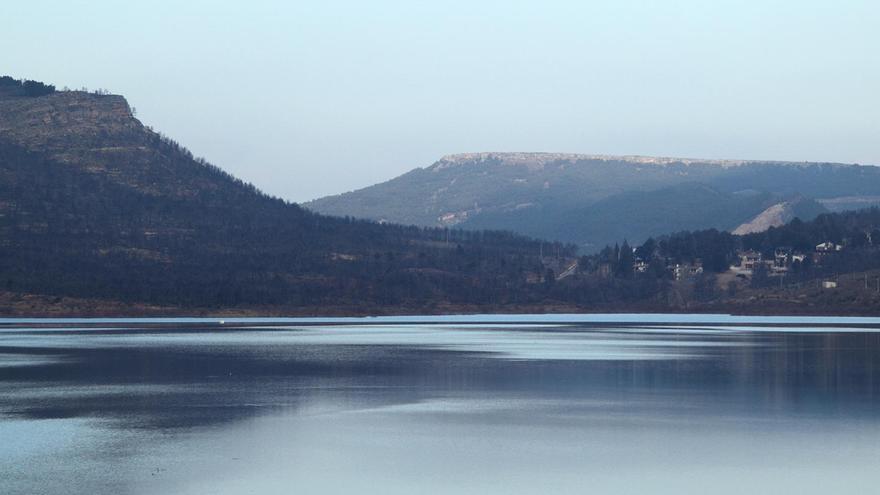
{"points": [[782, 257], [748, 259], [746, 263], [684, 271], [828, 247]]}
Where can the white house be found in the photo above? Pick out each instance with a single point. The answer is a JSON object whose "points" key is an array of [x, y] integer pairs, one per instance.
{"points": [[828, 247]]}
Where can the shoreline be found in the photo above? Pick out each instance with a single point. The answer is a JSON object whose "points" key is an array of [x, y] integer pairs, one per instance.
{"points": [[17, 305]]}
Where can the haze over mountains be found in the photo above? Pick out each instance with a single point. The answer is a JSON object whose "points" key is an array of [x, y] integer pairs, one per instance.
{"points": [[594, 200]]}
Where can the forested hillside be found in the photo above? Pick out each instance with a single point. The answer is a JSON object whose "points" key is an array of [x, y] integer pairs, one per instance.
{"points": [[776, 271], [95, 205]]}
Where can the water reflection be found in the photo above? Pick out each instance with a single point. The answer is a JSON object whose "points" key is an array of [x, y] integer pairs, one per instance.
{"points": [[430, 408]]}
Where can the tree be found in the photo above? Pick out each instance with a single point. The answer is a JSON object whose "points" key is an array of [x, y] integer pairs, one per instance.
{"points": [[705, 287], [760, 276], [625, 261], [36, 88], [646, 250]]}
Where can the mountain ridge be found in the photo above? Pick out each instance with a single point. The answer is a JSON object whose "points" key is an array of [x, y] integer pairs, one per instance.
{"points": [[539, 158], [530, 193]]}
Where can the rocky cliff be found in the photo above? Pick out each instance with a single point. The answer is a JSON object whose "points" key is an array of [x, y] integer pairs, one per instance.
{"points": [[97, 133]]}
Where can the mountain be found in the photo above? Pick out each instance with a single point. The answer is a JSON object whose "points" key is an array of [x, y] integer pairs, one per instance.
{"points": [[592, 200], [95, 206], [100, 215]]}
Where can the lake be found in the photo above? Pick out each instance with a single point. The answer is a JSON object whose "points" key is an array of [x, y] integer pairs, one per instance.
{"points": [[620, 404]]}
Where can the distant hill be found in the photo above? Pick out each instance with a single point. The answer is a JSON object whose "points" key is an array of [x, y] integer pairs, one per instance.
{"points": [[592, 200]]}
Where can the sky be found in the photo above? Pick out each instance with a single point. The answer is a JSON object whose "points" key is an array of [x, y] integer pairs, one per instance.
{"points": [[310, 98]]}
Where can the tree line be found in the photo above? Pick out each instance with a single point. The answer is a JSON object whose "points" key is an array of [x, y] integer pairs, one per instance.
{"points": [[26, 87]]}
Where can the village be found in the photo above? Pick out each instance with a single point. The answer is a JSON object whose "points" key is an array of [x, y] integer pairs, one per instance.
{"points": [[751, 263]]}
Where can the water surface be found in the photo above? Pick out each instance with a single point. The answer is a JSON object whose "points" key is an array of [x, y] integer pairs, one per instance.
{"points": [[601, 404]]}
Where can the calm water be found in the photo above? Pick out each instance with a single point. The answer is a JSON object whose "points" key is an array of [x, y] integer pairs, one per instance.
{"points": [[608, 404]]}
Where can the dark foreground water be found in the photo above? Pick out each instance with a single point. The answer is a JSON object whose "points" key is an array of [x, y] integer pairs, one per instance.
{"points": [[634, 405]]}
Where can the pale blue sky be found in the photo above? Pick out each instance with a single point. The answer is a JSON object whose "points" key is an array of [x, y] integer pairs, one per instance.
{"points": [[306, 99]]}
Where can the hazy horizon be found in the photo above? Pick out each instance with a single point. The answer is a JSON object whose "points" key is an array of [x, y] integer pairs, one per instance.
{"points": [[309, 99]]}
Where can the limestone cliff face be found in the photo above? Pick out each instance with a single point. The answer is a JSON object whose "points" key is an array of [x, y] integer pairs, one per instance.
{"points": [[537, 160], [98, 134], [65, 120]]}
